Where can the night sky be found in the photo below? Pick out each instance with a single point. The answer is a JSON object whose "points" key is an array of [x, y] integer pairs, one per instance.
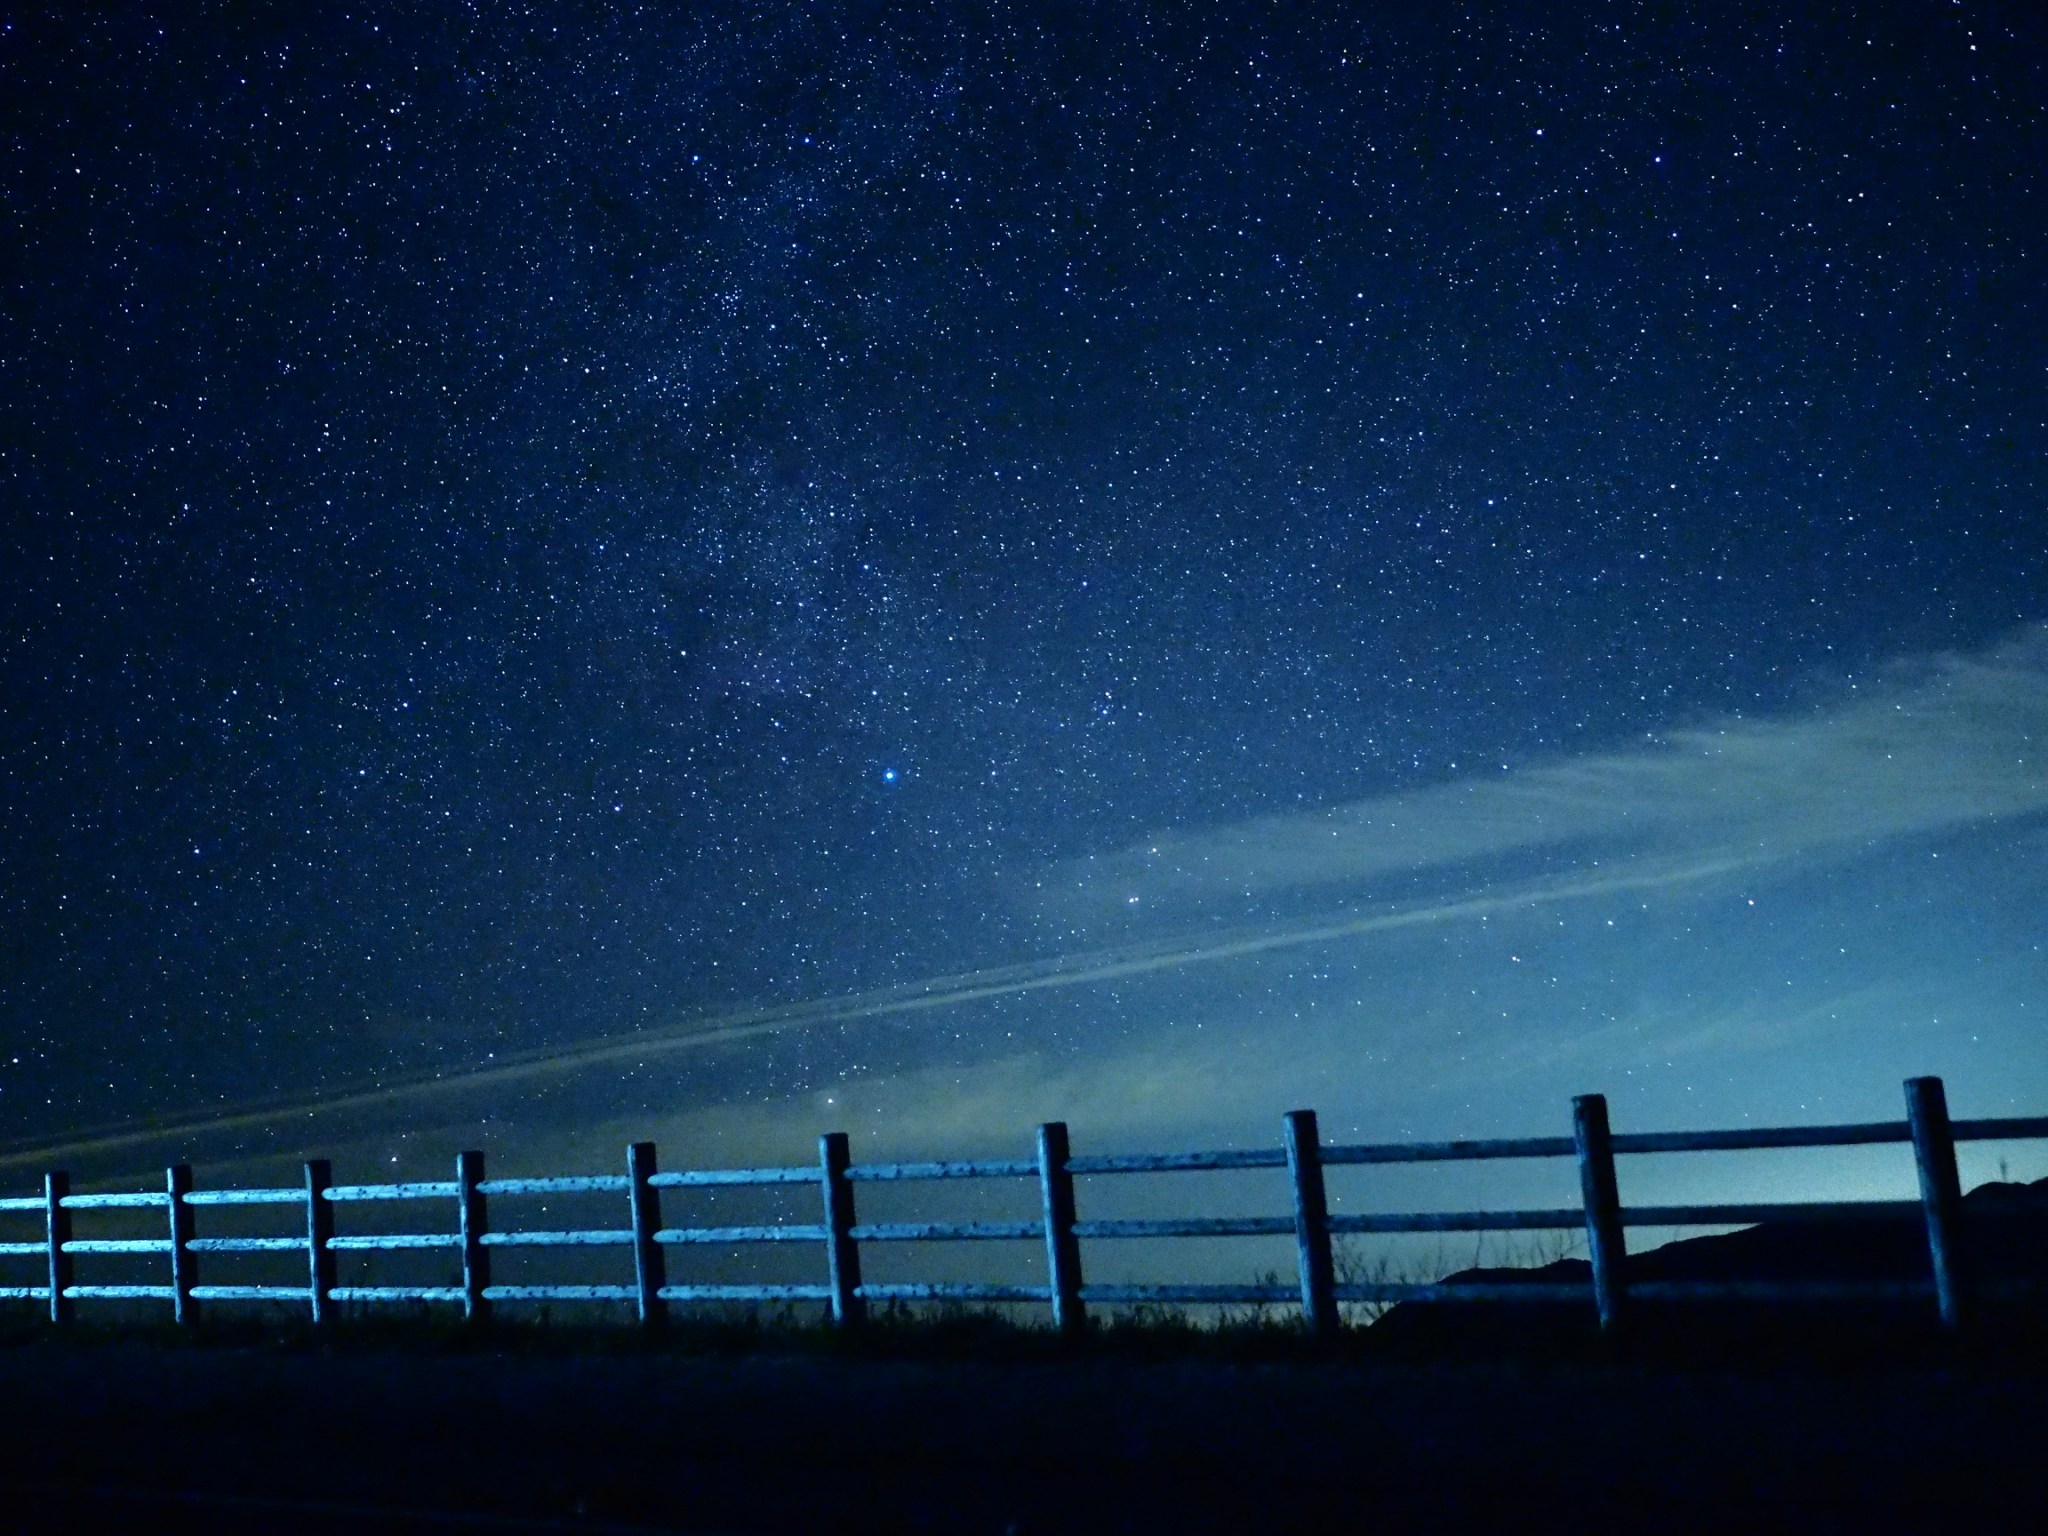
{"points": [[1409, 560]]}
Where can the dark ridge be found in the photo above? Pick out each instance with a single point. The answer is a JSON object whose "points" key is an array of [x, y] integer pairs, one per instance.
{"points": [[2006, 1248]]}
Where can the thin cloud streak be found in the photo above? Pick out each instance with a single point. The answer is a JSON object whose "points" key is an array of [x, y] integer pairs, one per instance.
{"points": [[1076, 970]]}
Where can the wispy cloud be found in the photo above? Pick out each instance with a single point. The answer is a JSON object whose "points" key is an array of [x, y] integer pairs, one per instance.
{"points": [[1950, 740]]}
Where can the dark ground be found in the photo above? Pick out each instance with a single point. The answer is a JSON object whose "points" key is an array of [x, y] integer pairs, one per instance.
{"points": [[137, 1432]]}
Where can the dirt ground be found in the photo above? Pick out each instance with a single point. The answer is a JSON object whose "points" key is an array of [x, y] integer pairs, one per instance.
{"points": [[129, 1435]]}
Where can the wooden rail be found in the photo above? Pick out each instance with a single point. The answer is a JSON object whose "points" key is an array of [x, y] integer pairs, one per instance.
{"points": [[1317, 1291]]}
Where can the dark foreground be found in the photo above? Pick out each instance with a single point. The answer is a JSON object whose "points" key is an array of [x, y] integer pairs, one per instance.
{"points": [[139, 1434]]}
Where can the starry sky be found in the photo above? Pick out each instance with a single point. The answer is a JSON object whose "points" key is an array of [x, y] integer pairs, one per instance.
{"points": [[953, 565]]}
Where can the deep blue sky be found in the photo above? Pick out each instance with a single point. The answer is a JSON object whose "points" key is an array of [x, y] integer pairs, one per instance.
{"points": [[521, 526]]}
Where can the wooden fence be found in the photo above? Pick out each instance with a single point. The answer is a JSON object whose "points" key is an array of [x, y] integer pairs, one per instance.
{"points": [[841, 1236]]}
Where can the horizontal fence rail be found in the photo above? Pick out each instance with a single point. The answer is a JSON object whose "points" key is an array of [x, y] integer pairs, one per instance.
{"points": [[839, 1236]]}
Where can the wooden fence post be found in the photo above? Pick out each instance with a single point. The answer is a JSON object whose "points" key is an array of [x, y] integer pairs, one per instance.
{"points": [[1314, 1262], [177, 1185], [1062, 1248], [1941, 1196], [57, 1220], [649, 1266], [842, 1253], [476, 1258], [1602, 1195], [320, 1268]]}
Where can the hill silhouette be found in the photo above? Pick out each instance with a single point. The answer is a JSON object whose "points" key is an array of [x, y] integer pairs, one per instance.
{"points": [[2005, 1259]]}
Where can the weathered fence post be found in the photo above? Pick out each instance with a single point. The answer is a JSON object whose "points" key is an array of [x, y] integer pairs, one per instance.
{"points": [[177, 1185], [320, 1269], [1941, 1196], [1314, 1263], [649, 1266], [1602, 1196], [842, 1253], [1062, 1248], [476, 1258], [57, 1220]]}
